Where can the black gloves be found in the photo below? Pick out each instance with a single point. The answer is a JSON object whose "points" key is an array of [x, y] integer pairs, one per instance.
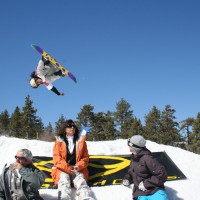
{"points": [[33, 74]]}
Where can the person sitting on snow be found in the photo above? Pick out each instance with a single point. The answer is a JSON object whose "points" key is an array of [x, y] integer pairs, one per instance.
{"points": [[70, 159], [21, 179], [145, 172], [46, 73]]}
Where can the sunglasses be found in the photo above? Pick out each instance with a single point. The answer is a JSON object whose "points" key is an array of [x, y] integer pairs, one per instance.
{"points": [[20, 158], [130, 144], [71, 125]]}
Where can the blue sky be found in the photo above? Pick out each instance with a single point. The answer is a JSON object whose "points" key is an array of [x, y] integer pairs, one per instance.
{"points": [[147, 52]]}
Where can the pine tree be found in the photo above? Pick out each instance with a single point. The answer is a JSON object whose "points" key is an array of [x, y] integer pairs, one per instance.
{"points": [[49, 128], [103, 127], [59, 123], [136, 128], [39, 127], [152, 125], [195, 136], [196, 125], [97, 127], [123, 117], [85, 116], [109, 126], [48, 133], [31, 123], [185, 126], [169, 133], [16, 123], [4, 122]]}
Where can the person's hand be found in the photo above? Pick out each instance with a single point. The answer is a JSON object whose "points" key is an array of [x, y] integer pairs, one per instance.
{"points": [[141, 187], [126, 182], [16, 165], [75, 170], [61, 94]]}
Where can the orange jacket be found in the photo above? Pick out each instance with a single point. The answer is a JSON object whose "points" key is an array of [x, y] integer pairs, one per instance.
{"points": [[60, 155]]}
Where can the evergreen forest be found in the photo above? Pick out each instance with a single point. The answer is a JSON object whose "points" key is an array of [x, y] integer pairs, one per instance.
{"points": [[159, 126]]}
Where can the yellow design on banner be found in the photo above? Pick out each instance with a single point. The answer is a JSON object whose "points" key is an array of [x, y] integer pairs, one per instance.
{"points": [[40, 165], [112, 168]]}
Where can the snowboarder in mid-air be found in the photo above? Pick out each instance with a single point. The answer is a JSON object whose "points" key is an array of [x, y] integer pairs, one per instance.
{"points": [[46, 73]]}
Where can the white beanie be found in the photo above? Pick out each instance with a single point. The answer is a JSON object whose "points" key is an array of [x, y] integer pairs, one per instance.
{"points": [[137, 142]]}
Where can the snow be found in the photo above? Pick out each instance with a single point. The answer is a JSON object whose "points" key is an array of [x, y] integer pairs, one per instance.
{"points": [[188, 162]]}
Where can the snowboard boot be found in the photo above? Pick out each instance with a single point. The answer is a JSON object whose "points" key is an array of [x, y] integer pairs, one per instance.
{"points": [[63, 73], [59, 73]]}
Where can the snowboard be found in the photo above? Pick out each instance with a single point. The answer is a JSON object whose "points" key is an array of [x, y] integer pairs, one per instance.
{"points": [[53, 61]]}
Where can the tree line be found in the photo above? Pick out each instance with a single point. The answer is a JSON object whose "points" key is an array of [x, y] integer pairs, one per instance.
{"points": [[159, 126]]}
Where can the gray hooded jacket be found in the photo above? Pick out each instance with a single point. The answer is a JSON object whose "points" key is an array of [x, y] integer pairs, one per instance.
{"points": [[31, 180]]}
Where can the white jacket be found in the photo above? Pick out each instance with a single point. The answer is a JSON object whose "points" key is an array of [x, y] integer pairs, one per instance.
{"points": [[46, 73]]}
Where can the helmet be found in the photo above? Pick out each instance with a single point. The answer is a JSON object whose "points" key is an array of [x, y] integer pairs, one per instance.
{"points": [[33, 83]]}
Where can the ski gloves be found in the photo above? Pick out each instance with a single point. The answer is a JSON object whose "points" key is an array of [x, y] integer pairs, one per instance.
{"points": [[141, 187], [126, 182]]}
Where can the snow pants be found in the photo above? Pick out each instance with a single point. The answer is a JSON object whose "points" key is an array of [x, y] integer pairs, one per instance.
{"points": [[83, 191], [159, 195]]}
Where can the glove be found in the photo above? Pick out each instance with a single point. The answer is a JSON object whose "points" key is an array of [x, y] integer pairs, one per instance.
{"points": [[75, 170], [141, 187], [33, 74], [126, 182]]}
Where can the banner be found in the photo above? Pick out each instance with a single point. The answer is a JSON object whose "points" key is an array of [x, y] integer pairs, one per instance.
{"points": [[108, 169]]}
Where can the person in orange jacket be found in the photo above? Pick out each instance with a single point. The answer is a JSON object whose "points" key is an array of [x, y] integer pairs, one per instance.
{"points": [[70, 159]]}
